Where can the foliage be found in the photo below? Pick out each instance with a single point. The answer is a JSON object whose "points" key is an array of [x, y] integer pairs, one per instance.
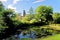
{"points": [[10, 22], [2, 24], [31, 10], [55, 37], [26, 19], [16, 19], [56, 17], [1, 7], [45, 12], [46, 30], [33, 21]]}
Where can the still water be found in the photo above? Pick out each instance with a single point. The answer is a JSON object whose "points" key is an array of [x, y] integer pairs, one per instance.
{"points": [[27, 36], [31, 36]]}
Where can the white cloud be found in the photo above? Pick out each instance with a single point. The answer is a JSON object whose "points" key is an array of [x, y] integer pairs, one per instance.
{"points": [[3, 0], [16, 11], [15, 1], [38, 1], [11, 7]]}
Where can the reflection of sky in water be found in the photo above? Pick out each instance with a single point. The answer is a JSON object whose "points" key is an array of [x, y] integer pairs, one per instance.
{"points": [[31, 35], [27, 35]]}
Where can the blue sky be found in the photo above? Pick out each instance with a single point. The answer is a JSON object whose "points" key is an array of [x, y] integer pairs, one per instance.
{"points": [[20, 5]]}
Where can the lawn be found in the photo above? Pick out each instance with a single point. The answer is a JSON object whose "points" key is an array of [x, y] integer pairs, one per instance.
{"points": [[55, 37], [26, 39], [51, 26]]}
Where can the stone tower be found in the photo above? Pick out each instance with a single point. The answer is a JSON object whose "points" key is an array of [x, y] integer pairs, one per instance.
{"points": [[24, 13]]}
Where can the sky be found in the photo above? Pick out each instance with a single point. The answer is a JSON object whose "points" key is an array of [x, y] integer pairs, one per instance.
{"points": [[20, 5]]}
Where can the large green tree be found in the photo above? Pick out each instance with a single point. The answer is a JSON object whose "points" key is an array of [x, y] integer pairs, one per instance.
{"points": [[10, 22], [44, 13], [1, 6], [1, 15]]}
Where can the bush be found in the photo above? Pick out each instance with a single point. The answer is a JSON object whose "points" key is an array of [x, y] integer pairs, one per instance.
{"points": [[42, 32]]}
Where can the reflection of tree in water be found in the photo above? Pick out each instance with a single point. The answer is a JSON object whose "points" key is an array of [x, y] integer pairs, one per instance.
{"points": [[24, 33]]}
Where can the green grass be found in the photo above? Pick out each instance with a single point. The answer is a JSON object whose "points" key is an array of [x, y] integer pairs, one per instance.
{"points": [[26, 39], [51, 26], [55, 37]]}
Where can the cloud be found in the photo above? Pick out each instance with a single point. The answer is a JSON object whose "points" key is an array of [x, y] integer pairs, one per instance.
{"points": [[11, 7], [38, 1], [15, 1], [3, 0], [16, 11]]}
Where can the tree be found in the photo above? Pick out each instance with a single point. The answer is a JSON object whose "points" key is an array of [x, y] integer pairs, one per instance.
{"points": [[1, 13], [45, 12], [31, 10], [33, 21], [2, 24], [2, 10], [56, 17], [16, 19], [1, 7], [7, 21], [31, 13], [26, 19]]}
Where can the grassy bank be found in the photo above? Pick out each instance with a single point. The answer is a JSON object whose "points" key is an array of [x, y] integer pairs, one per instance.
{"points": [[55, 37]]}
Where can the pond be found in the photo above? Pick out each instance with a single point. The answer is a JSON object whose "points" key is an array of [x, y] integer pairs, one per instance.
{"points": [[27, 36], [22, 36]]}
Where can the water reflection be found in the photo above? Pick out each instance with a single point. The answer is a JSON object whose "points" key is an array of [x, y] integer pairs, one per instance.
{"points": [[27, 35]]}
